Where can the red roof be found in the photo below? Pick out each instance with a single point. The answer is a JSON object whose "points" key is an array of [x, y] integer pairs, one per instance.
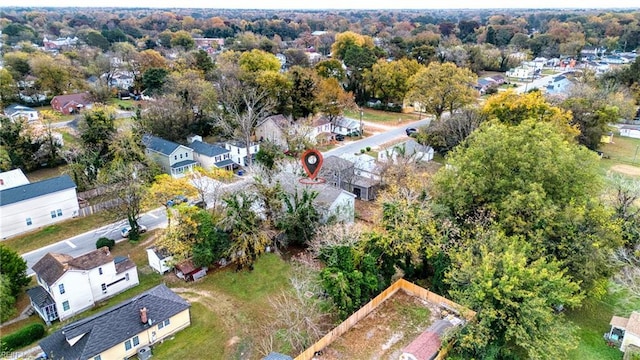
{"points": [[80, 98], [425, 346]]}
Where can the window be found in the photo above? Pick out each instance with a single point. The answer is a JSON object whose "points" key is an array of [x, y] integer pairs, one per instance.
{"points": [[100, 270], [163, 324], [131, 343], [104, 288], [29, 222], [127, 345], [53, 214], [136, 341], [97, 358], [175, 157], [65, 306], [186, 155], [61, 288], [59, 211], [126, 276], [180, 156]]}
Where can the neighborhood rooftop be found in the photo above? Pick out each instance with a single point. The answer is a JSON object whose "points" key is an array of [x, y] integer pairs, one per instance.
{"points": [[207, 149], [111, 327], [15, 108], [159, 145], [33, 190]]}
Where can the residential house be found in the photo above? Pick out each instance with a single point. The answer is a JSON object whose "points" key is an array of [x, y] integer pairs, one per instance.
{"points": [[409, 151], [485, 84], [320, 130], [210, 156], [71, 103], [332, 203], [12, 178], [275, 129], [346, 126], [522, 72], [238, 152], [16, 111], [122, 331], [58, 43], [632, 131], [187, 271], [559, 85], [625, 331], [68, 286], [30, 206], [342, 173], [175, 159], [159, 259], [122, 80]]}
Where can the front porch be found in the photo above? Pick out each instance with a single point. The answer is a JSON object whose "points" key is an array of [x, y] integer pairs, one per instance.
{"points": [[182, 168], [43, 304]]}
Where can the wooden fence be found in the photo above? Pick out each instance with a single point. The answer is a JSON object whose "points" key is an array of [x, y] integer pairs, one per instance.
{"points": [[408, 287], [92, 209]]}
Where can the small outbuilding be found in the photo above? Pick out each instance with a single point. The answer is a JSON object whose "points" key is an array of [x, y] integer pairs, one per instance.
{"points": [[187, 271]]}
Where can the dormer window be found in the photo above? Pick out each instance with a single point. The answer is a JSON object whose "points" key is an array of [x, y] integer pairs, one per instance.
{"points": [[61, 288]]}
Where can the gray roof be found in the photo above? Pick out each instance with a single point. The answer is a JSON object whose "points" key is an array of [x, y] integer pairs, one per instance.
{"points": [[206, 149], [15, 108], [224, 163], [113, 326], [33, 190], [160, 145], [40, 297], [183, 163]]}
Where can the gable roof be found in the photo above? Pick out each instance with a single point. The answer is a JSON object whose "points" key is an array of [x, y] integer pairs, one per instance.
{"points": [[52, 266], [332, 163], [280, 120], [207, 149], [16, 108], [113, 326], [157, 144], [12, 178], [79, 98], [36, 189]]}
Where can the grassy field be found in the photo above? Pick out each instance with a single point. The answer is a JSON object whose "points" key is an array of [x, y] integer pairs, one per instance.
{"points": [[382, 117], [623, 150]]}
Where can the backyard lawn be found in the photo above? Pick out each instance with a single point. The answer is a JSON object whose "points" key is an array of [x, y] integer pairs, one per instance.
{"points": [[623, 155], [379, 116]]}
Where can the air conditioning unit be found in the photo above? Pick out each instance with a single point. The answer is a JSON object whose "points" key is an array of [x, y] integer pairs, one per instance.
{"points": [[144, 353]]}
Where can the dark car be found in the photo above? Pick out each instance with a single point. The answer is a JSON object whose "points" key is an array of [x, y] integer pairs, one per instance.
{"points": [[339, 137], [177, 200], [354, 133], [410, 131]]}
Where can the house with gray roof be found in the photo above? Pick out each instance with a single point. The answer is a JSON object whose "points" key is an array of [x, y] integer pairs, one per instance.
{"points": [[346, 175], [175, 159], [409, 151], [17, 111], [30, 206], [121, 331], [211, 156], [68, 286]]}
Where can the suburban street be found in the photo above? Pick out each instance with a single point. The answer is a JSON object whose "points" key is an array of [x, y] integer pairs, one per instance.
{"points": [[84, 243], [536, 83]]}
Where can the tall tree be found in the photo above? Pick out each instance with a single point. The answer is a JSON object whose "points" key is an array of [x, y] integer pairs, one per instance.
{"points": [[13, 266], [97, 128], [165, 189], [333, 100], [300, 217], [442, 87], [389, 80]]}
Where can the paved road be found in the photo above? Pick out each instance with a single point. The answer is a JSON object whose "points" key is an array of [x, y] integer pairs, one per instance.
{"points": [[375, 140], [536, 83], [84, 243]]}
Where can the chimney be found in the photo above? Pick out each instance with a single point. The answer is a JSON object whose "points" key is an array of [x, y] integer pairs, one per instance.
{"points": [[143, 315]]}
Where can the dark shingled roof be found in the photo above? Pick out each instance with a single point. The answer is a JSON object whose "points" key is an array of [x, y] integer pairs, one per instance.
{"points": [[183, 163], [113, 326], [51, 267], [160, 145], [33, 190], [224, 163], [206, 149], [40, 296], [92, 260]]}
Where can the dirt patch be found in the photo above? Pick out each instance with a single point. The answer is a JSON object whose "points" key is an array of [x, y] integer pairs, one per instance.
{"points": [[385, 331], [626, 169]]}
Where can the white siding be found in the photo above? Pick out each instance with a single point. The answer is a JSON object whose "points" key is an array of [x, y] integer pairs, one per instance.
{"points": [[77, 293], [13, 217], [156, 263], [343, 208], [204, 161], [115, 283]]}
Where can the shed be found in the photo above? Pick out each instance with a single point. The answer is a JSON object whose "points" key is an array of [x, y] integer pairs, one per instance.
{"points": [[187, 271]]}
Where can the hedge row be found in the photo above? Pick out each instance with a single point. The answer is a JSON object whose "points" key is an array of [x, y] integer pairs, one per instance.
{"points": [[21, 338]]}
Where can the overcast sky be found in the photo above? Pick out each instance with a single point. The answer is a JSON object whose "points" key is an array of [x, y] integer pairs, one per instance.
{"points": [[332, 4]]}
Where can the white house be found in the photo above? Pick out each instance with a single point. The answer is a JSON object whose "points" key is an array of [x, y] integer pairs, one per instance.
{"points": [[68, 286], [210, 156], [159, 259], [16, 111], [31, 206], [632, 131], [345, 126], [625, 331], [12, 178], [559, 85], [238, 152], [175, 159], [320, 126], [410, 151], [522, 72]]}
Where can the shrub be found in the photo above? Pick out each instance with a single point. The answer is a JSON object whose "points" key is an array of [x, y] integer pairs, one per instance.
{"points": [[362, 151], [21, 338], [368, 148], [103, 241]]}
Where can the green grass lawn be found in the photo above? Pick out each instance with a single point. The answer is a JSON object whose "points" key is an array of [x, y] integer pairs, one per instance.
{"points": [[377, 116], [623, 150]]}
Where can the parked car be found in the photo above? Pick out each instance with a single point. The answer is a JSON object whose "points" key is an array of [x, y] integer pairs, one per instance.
{"points": [[410, 131], [339, 137], [354, 133], [125, 230], [177, 200]]}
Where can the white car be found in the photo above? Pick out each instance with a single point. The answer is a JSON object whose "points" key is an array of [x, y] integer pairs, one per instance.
{"points": [[125, 230]]}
